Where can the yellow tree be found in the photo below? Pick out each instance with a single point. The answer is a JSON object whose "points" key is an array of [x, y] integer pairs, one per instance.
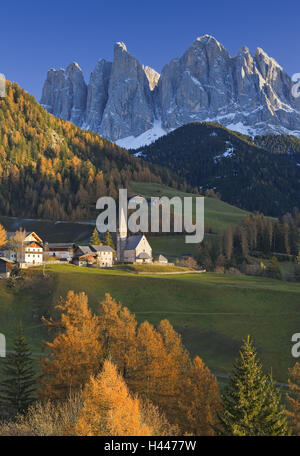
{"points": [[75, 353], [108, 407], [3, 238], [178, 363], [117, 328], [149, 363], [199, 400], [294, 399]]}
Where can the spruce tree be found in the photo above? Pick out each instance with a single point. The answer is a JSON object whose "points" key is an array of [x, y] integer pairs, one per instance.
{"points": [[251, 402], [17, 386], [95, 238], [108, 240]]}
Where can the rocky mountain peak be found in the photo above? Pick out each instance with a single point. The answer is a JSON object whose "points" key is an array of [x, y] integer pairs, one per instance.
{"points": [[152, 76], [247, 93], [120, 46]]}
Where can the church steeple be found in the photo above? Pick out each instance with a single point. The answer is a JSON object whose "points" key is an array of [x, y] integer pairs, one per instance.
{"points": [[122, 225]]}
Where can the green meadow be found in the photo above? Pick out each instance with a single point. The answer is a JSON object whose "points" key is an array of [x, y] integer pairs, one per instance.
{"points": [[218, 215], [212, 312]]}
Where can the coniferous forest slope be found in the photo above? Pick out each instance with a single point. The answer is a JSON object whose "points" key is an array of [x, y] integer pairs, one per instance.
{"points": [[258, 175], [51, 169]]}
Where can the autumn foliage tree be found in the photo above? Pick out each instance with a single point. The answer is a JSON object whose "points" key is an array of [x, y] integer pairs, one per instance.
{"points": [[75, 353], [117, 329], [199, 400], [152, 361], [294, 399], [108, 407], [2, 236]]}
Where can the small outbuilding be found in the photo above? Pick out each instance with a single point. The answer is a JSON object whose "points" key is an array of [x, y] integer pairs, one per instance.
{"points": [[161, 260], [5, 267]]}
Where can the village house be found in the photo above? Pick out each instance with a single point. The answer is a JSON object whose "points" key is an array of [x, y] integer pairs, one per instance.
{"points": [[94, 255], [5, 268], [30, 252], [60, 251], [161, 260]]}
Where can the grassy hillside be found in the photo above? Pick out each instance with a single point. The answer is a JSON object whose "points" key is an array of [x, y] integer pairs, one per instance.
{"points": [[213, 312], [218, 214], [258, 176], [51, 169]]}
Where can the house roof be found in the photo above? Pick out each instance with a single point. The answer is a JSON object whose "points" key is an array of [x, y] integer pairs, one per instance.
{"points": [[85, 249], [133, 242], [101, 248], [143, 256], [32, 233], [60, 245], [6, 260], [33, 244], [161, 258], [10, 234]]}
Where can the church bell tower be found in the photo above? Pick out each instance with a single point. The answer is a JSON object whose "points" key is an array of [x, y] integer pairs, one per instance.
{"points": [[122, 229]]}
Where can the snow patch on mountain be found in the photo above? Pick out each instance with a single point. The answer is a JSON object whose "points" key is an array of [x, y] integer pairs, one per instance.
{"points": [[146, 138]]}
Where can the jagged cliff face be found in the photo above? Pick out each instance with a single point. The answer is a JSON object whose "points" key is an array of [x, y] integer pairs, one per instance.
{"points": [[97, 95], [251, 94], [65, 94], [129, 108]]}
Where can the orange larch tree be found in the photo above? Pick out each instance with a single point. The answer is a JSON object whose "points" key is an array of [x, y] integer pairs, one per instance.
{"points": [[3, 238], [199, 400], [108, 407], [75, 353]]}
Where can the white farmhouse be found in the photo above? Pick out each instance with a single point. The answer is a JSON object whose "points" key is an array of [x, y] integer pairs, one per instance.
{"points": [[94, 255], [30, 252]]}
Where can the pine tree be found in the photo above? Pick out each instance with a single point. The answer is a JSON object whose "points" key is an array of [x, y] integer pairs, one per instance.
{"points": [[95, 238], [108, 240], [251, 402], [17, 387]]}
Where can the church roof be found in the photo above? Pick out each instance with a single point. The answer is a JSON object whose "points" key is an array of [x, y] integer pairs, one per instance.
{"points": [[133, 242]]}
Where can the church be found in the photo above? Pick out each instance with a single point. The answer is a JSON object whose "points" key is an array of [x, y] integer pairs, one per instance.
{"points": [[132, 249]]}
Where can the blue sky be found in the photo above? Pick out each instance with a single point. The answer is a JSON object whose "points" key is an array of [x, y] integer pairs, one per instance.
{"points": [[36, 35]]}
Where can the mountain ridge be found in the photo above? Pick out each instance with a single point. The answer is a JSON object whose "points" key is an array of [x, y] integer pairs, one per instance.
{"points": [[124, 99], [260, 174]]}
